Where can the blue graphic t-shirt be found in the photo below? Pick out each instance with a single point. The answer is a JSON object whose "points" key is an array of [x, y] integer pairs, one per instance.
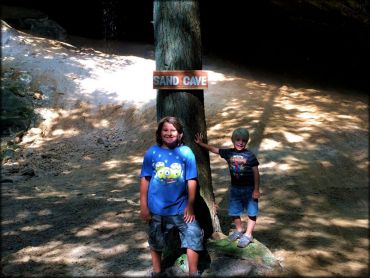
{"points": [[169, 170], [240, 165]]}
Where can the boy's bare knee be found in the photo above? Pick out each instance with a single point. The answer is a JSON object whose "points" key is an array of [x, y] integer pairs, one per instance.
{"points": [[254, 218]]}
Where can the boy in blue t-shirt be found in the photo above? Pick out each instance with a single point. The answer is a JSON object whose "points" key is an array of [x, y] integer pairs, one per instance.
{"points": [[245, 183], [167, 193]]}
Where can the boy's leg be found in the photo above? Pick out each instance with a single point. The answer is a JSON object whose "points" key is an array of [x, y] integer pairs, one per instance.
{"points": [[193, 258], [156, 260], [247, 237], [236, 206], [250, 225], [252, 209], [191, 236], [238, 223], [239, 229], [156, 241], [236, 200]]}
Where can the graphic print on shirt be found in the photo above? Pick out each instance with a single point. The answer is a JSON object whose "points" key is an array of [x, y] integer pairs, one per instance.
{"points": [[170, 174], [238, 164]]}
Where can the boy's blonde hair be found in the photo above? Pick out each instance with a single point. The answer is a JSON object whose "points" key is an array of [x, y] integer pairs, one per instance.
{"points": [[240, 132]]}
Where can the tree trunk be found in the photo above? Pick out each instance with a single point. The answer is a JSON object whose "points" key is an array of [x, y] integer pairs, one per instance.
{"points": [[178, 47]]}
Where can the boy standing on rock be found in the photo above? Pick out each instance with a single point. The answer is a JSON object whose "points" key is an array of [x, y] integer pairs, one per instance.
{"points": [[245, 181]]}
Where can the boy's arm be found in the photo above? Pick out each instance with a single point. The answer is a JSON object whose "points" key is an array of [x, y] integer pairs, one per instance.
{"points": [[144, 210], [189, 215], [256, 174], [199, 141]]}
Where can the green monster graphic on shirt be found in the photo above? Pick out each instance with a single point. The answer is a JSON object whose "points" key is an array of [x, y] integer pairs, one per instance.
{"points": [[168, 174]]}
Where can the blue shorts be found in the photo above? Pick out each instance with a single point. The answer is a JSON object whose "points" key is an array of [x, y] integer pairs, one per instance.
{"points": [[240, 200], [191, 235]]}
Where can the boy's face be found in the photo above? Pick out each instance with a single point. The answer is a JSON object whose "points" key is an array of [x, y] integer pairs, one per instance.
{"points": [[170, 135], [240, 144]]}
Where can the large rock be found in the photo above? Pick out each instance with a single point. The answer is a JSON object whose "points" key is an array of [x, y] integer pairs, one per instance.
{"points": [[16, 109], [16, 113], [33, 21], [255, 259], [228, 260], [47, 28]]}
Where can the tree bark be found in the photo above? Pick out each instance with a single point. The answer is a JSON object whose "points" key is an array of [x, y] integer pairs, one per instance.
{"points": [[178, 46]]}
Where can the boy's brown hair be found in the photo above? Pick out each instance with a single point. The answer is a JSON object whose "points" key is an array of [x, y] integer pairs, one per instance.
{"points": [[176, 123]]}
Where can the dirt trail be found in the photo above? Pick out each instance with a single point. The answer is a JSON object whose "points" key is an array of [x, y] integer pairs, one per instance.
{"points": [[79, 215]]}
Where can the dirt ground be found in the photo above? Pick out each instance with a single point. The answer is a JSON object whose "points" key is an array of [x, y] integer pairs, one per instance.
{"points": [[79, 214]]}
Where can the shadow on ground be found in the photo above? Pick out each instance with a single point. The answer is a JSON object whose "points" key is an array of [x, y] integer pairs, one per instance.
{"points": [[80, 214]]}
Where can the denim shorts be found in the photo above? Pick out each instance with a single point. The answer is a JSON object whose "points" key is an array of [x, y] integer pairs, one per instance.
{"points": [[240, 200], [191, 235]]}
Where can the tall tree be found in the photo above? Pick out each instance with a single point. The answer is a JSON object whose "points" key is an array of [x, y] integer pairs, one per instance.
{"points": [[178, 46]]}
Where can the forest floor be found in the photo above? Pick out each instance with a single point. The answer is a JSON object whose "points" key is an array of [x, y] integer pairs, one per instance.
{"points": [[79, 214]]}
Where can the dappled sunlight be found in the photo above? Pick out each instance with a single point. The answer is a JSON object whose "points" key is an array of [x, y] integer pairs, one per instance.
{"points": [[23, 215], [102, 124], [131, 166], [124, 199], [317, 263], [69, 254], [64, 133], [109, 165], [126, 179], [78, 211], [320, 233], [270, 144], [362, 223], [305, 115], [35, 228], [293, 138], [215, 77], [313, 148], [84, 125], [23, 197], [95, 228], [79, 248]]}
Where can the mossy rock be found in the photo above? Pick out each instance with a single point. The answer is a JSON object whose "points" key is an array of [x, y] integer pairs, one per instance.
{"points": [[182, 263], [255, 250], [258, 259], [228, 260], [16, 112]]}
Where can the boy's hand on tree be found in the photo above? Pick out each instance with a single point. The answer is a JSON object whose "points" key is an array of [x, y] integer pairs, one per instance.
{"points": [[198, 138], [215, 206], [189, 215]]}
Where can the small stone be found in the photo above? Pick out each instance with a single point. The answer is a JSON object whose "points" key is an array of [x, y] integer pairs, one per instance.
{"points": [[37, 95], [218, 236], [28, 152], [34, 131], [8, 154]]}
